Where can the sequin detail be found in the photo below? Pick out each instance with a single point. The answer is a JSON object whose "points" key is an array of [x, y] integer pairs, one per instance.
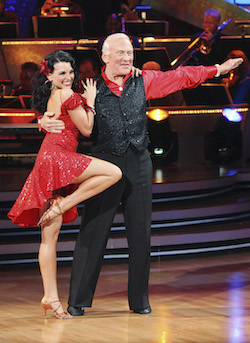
{"points": [[57, 165]]}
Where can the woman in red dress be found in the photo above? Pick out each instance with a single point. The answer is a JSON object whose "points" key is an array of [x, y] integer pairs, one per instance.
{"points": [[59, 169]]}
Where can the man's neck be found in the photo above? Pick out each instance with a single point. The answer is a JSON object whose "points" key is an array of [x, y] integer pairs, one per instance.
{"points": [[118, 79]]}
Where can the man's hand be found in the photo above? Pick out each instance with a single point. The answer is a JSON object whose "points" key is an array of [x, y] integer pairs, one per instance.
{"points": [[136, 71], [229, 65], [52, 125], [206, 36]]}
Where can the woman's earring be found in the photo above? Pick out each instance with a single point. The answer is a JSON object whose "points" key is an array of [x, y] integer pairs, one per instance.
{"points": [[51, 84]]}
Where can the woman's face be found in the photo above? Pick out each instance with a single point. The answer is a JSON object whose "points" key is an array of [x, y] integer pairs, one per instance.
{"points": [[63, 75]]}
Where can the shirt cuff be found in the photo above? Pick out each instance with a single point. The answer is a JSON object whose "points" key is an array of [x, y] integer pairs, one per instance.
{"points": [[211, 72], [39, 124], [218, 70]]}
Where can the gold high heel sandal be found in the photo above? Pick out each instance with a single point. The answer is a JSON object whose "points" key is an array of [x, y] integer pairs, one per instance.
{"points": [[46, 216], [49, 306]]}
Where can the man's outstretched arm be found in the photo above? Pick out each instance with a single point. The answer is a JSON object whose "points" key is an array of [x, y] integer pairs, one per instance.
{"points": [[159, 84]]}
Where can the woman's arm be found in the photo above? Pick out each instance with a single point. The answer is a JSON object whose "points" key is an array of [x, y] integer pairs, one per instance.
{"points": [[84, 118]]}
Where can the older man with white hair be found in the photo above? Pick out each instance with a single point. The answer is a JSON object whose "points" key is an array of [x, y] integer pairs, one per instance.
{"points": [[122, 138]]}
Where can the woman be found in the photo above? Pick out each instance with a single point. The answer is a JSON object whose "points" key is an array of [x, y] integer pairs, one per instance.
{"points": [[59, 169], [238, 79]]}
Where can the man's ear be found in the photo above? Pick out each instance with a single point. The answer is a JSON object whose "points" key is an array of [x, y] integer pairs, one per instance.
{"points": [[105, 58]]}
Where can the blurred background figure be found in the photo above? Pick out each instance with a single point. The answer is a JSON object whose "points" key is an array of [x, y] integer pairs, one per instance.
{"points": [[62, 18], [46, 8], [211, 22], [88, 67], [128, 9], [175, 99], [238, 79], [114, 25], [51, 7], [151, 65], [28, 69], [7, 16], [209, 49]]}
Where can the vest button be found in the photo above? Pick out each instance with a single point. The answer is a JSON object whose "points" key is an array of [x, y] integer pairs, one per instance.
{"points": [[120, 89]]}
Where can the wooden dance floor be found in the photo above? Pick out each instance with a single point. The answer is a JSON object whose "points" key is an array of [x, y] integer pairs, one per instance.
{"points": [[202, 299]]}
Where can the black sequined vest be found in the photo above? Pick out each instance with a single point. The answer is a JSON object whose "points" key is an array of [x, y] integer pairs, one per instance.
{"points": [[121, 121]]}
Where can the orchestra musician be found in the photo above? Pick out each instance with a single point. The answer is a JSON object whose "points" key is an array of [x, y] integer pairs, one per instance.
{"points": [[210, 50], [128, 9], [51, 7]]}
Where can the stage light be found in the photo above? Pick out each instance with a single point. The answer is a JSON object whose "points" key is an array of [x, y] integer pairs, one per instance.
{"points": [[157, 114], [232, 115], [163, 145], [158, 151], [223, 144]]}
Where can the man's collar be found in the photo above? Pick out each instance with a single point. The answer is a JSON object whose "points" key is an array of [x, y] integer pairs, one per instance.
{"points": [[106, 79]]}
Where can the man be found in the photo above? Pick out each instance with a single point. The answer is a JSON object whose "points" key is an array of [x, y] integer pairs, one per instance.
{"points": [[128, 9], [122, 139], [88, 67], [51, 7], [114, 25], [27, 71], [209, 46]]}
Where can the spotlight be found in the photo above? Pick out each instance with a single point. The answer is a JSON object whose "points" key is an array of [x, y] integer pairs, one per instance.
{"points": [[163, 145], [224, 143], [232, 115], [157, 114]]}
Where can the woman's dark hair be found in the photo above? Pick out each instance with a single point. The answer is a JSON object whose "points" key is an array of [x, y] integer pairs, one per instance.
{"points": [[41, 86]]}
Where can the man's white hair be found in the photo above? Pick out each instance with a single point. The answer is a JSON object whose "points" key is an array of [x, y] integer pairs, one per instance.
{"points": [[112, 38]]}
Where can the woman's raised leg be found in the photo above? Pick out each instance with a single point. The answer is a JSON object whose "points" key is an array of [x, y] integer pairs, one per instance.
{"points": [[97, 177]]}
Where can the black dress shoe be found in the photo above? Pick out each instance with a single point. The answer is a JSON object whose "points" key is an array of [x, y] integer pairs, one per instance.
{"points": [[76, 311], [143, 310]]}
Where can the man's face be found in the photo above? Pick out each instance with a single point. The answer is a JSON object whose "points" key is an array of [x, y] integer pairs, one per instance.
{"points": [[25, 79], [87, 70], [113, 24], [210, 23], [119, 60]]}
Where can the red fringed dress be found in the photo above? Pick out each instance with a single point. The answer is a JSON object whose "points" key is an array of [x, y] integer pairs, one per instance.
{"points": [[57, 165]]}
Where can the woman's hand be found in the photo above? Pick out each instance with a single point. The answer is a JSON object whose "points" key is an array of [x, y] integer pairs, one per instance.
{"points": [[89, 91], [136, 71]]}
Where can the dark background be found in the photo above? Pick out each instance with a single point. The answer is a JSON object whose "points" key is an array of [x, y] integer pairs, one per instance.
{"points": [[96, 14]]}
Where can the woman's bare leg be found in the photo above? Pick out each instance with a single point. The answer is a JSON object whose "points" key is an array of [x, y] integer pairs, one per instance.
{"points": [[47, 257], [97, 177], [48, 265]]}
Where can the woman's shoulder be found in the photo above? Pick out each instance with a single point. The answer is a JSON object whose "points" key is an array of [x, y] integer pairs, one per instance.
{"points": [[66, 93], [70, 99]]}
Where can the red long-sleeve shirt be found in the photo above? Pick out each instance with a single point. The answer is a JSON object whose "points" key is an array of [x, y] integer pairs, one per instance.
{"points": [[159, 84]]}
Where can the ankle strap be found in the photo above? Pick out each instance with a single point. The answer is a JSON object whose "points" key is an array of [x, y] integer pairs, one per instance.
{"points": [[55, 301]]}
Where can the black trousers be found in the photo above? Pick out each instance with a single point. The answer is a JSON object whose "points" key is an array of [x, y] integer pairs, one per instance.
{"points": [[134, 191]]}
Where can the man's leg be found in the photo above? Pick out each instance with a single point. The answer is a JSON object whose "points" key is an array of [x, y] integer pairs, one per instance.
{"points": [[91, 242], [137, 203]]}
